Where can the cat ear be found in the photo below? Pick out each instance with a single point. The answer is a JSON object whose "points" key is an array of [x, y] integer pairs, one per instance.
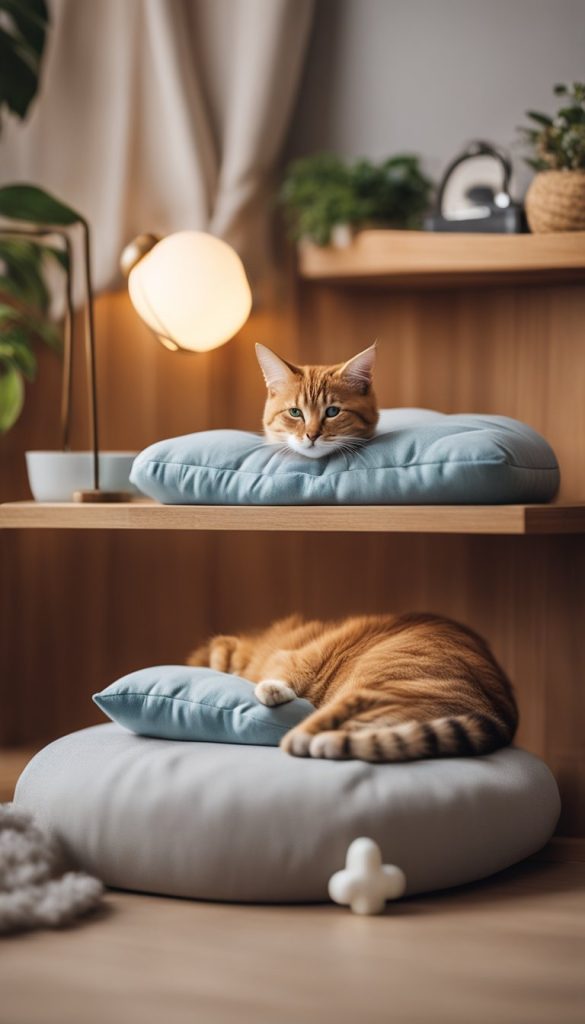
{"points": [[276, 371], [358, 370]]}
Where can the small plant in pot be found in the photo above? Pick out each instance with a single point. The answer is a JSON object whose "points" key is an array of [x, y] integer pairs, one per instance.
{"points": [[326, 200], [555, 200]]}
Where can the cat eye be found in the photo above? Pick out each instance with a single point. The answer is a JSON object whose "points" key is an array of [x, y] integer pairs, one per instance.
{"points": [[295, 412], [332, 410]]}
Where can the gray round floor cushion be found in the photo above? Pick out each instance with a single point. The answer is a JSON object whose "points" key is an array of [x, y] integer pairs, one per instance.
{"points": [[247, 823]]}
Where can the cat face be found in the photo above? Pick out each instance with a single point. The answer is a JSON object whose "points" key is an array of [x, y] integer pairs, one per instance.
{"points": [[317, 410]]}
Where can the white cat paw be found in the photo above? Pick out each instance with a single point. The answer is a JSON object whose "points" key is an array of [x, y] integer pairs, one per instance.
{"points": [[274, 691], [296, 742], [330, 744]]}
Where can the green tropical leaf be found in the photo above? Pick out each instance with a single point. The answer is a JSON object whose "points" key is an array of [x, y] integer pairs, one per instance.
{"points": [[23, 33], [11, 395], [29, 203], [27, 320], [22, 262], [61, 255], [539, 118], [572, 115], [18, 81], [14, 347], [31, 18], [537, 165], [560, 90]]}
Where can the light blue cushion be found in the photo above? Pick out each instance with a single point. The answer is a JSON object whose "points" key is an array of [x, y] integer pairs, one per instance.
{"points": [[177, 702], [417, 457]]}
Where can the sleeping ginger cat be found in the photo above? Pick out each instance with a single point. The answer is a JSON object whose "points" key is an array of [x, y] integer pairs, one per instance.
{"points": [[386, 687]]}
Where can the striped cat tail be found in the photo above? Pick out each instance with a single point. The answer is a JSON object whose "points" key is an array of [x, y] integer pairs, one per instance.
{"points": [[454, 736]]}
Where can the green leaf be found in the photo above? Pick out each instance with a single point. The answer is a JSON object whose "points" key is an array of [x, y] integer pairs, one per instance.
{"points": [[18, 83], [23, 32], [537, 165], [11, 395], [27, 320], [31, 18], [14, 348], [23, 271], [539, 118], [572, 115], [29, 203], [61, 255], [560, 90]]}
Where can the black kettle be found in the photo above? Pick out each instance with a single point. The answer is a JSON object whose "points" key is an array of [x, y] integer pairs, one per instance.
{"points": [[491, 211]]}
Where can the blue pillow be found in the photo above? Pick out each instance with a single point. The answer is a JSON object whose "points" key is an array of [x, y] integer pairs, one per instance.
{"points": [[417, 457], [177, 702]]}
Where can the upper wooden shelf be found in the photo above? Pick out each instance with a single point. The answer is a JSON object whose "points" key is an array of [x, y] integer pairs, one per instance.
{"points": [[145, 515], [425, 257]]}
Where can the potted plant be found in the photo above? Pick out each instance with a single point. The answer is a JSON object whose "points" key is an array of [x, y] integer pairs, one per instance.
{"points": [[35, 232], [325, 199], [24, 303], [555, 200]]}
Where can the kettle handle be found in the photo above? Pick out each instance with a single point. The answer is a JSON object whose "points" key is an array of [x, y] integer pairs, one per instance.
{"points": [[477, 148]]}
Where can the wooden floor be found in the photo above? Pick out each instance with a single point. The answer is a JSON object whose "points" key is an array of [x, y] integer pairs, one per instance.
{"points": [[510, 950]]}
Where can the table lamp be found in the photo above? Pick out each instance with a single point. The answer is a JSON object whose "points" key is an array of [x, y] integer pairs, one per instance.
{"points": [[190, 288]]}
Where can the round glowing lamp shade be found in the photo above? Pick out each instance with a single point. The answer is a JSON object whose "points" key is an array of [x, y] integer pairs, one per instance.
{"points": [[191, 289]]}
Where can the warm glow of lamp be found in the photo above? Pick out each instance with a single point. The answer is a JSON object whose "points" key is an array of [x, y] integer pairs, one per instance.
{"points": [[190, 288]]}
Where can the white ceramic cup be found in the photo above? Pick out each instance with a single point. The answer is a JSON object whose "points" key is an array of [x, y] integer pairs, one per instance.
{"points": [[55, 476]]}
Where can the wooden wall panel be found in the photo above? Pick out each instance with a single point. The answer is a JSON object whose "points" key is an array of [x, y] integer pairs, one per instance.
{"points": [[79, 609], [510, 351]]}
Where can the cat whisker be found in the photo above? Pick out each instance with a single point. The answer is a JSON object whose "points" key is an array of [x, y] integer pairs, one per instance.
{"points": [[345, 446]]}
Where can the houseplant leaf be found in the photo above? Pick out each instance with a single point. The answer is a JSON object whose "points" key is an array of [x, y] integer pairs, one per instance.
{"points": [[31, 19], [18, 83], [572, 115], [558, 143], [37, 325], [29, 203], [11, 395], [14, 348], [22, 271], [539, 118], [23, 31], [61, 255]]}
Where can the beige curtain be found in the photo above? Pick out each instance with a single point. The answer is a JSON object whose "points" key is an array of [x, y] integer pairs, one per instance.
{"points": [[158, 115]]}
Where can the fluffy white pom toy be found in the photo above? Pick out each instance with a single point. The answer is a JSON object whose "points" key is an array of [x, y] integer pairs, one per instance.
{"points": [[365, 884]]}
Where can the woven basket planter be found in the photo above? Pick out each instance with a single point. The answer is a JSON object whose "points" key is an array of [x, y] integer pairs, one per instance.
{"points": [[555, 201]]}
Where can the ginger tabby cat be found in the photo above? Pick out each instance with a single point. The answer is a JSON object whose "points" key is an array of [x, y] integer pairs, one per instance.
{"points": [[386, 687], [318, 410]]}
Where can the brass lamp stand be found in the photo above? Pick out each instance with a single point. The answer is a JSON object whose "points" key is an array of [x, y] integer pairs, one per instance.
{"points": [[95, 494]]}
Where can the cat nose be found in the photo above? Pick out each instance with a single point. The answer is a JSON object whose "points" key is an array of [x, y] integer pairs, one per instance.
{"points": [[313, 437]]}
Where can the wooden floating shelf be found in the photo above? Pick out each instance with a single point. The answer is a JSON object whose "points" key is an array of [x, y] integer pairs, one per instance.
{"points": [[424, 257], [145, 515]]}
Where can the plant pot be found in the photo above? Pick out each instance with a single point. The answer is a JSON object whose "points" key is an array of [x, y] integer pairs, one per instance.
{"points": [[55, 476], [555, 201], [342, 236]]}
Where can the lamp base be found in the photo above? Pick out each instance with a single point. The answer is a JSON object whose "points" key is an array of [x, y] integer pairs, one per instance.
{"points": [[98, 497]]}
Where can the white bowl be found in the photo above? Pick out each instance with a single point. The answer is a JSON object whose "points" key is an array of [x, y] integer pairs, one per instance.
{"points": [[54, 476]]}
